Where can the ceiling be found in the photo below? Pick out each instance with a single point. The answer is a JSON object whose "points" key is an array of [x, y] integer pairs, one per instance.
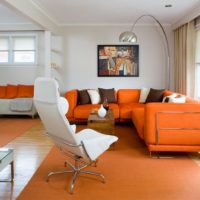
{"points": [[66, 12], [8, 16], [98, 12]]}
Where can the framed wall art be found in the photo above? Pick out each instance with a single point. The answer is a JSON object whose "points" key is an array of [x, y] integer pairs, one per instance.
{"points": [[118, 60]]}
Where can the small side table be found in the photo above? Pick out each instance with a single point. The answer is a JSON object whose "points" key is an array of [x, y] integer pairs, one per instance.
{"points": [[6, 158]]}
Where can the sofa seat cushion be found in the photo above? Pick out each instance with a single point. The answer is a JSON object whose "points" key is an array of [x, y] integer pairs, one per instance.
{"points": [[138, 121], [83, 111], [128, 96], [126, 109]]}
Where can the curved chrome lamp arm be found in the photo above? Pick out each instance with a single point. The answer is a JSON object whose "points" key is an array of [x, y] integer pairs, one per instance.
{"points": [[129, 36]]}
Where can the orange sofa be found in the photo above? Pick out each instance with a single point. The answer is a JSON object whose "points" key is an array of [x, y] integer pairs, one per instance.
{"points": [[127, 100], [162, 126], [17, 95]]}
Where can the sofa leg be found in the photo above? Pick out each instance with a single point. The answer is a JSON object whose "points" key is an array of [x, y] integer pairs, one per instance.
{"points": [[151, 154]]}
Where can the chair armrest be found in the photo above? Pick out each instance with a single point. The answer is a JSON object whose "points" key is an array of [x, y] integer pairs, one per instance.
{"points": [[72, 98]]}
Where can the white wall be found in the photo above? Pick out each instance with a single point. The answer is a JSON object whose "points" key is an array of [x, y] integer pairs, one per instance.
{"points": [[24, 74], [80, 70], [78, 47]]}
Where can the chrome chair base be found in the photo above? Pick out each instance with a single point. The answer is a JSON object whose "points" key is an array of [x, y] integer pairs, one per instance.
{"points": [[76, 170]]}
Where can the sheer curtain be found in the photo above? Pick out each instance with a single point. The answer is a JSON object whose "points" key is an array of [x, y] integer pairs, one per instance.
{"points": [[185, 41], [197, 91]]}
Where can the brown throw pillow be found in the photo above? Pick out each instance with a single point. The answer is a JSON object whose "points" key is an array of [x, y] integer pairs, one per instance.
{"points": [[155, 96], [108, 94], [166, 100], [83, 97]]}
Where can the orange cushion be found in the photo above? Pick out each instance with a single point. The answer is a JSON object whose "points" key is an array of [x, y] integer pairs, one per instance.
{"points": [[72, 98], [191, 100], [167, 93], [125, 110], [128, 96], [138, 120], [83, 111], [11, 91], [25, 91], [2, 91]]}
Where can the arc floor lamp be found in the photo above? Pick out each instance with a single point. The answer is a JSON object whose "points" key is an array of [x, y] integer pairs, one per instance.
{"points": [[130, 36]]}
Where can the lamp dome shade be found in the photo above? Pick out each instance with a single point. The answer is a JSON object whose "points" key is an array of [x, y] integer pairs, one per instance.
{"points": [[128, 36]]}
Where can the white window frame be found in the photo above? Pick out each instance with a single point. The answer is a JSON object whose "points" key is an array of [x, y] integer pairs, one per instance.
{"points": [[5, 63], [11, 51]]}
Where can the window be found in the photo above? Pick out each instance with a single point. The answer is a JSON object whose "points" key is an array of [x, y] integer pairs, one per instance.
{"points": [[17, 49], [4, 50], [198, 64]]}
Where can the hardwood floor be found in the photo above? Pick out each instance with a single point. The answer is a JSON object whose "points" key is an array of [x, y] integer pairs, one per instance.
{"points": [[29, 151]]}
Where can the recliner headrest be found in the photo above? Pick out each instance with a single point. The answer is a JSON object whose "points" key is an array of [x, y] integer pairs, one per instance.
{"points": [[46, 90]]}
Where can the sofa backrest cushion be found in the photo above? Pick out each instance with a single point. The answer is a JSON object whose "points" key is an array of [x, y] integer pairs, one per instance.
{"points": [[155, 96], [25, 91], [83, 97], [143, 95], [188, 99], [94, 96], [11, 91], [2, 92], [128, 95], [167, 93], [108, 94]]}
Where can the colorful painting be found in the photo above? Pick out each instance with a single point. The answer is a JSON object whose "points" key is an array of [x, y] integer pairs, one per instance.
{"points": [[118, 60]]}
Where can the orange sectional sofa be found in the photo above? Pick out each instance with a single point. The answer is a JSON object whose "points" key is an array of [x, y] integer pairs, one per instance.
{"points": [[127, 100], [162, 126]]}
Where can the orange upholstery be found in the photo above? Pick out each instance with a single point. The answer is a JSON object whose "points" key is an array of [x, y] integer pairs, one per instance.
{"points": [[72, 97], [125, 109], [128, 96], [167, 93], [174, 117], [25, 91], [160, 131], [83, 111], [190, 100], [138, 120], [2, 92], [177, 148], [11, 91]]}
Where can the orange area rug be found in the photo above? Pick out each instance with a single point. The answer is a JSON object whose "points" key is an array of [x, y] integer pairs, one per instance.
{"points": [[12, 127], [131, 175]]}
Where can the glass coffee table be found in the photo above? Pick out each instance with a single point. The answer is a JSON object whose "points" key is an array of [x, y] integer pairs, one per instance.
{"points": [[6, 158]]}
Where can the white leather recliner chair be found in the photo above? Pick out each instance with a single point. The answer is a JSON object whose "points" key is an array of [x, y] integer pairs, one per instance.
{"points": [[83, 147]]}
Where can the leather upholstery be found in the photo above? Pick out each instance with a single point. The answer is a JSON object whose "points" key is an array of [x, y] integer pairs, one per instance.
{"points": [[52, 110]]}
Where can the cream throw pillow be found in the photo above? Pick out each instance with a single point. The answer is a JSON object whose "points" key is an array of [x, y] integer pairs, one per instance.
{"points": [[178, 99], [174, 98], [143, 95], [94, 96], [170, 96]]}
